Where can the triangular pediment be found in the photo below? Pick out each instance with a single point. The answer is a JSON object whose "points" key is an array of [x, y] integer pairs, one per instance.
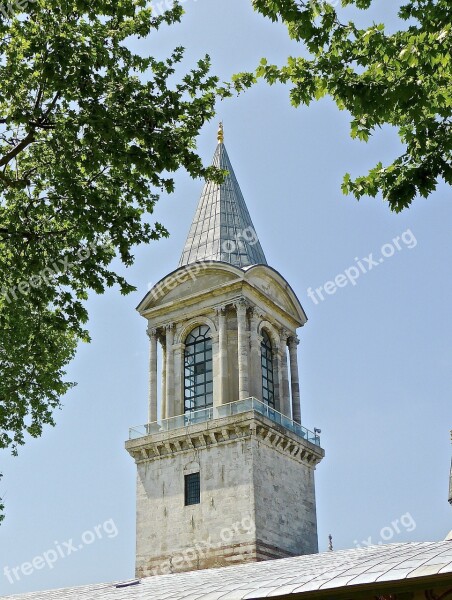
{"points": [[276, 290], [210, 278], [188, 281]]}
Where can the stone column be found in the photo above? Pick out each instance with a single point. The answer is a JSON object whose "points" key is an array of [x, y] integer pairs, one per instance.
{"points": [[216, 370], [179, 358], [222, 357], [255, 355], [242, 345], [164, 401], [284, 392], [295, 384], [276, 376], [170, 408], [152, 413]]}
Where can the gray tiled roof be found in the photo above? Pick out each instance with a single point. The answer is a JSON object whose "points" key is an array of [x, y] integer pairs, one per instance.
{"points": [[275, 578], [222, 228]]}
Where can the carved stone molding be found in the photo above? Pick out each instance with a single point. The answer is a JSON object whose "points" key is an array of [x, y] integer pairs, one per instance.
{"points": [[258, 313], [220, 309], [284, 334], [151, 331], [293, 340], [241, 305], [238, 427]]}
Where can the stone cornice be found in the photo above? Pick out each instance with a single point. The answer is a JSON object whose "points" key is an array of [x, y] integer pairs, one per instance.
{"points": [[222, 295], [221, 431]]}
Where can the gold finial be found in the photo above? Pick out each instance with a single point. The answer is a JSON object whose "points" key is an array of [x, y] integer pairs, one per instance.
{"points": [[220, 135]]}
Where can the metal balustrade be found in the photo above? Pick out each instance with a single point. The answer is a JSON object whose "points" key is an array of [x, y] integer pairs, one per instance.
{"points": [[225, 410]]}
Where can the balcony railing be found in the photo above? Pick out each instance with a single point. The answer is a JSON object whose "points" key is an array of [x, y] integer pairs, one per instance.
{"points": [[225, 410]]}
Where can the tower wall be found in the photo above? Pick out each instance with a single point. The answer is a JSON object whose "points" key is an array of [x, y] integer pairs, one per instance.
{"points": [[219, 530], [256, 502], [285, 509]]}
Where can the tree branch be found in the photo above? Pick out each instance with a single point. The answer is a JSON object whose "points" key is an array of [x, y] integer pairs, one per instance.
{"points": [[29, 138]]}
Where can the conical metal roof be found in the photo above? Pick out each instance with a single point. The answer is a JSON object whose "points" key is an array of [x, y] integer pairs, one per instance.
{"points": [[222, 228]]}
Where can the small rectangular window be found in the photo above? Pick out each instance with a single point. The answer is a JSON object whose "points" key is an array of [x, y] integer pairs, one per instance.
{"points": [[192, 489]]}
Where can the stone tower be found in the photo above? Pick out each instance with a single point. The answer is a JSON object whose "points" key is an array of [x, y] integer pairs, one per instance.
{"points": [[225, 468]]}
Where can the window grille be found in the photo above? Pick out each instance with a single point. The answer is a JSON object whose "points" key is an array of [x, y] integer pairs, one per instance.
{"points": [[198, 382], [268, 390], [192, 489]]}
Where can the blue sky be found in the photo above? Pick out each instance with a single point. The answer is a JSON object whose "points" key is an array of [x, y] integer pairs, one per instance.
{"points": [[375, 357]]}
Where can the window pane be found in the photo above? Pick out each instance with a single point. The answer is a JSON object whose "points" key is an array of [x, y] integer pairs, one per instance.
{"points": [[267, 370], [198, 350], [192, 489]]}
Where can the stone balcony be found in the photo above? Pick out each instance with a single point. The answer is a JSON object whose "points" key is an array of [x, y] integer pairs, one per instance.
{"points": [[225, 423], [226, 410]]}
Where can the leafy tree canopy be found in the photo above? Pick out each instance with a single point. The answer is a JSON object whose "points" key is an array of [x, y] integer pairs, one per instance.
{"points": [[403, 79], [90, 133]]}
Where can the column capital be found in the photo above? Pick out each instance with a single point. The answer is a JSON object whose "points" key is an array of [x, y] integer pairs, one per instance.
{"points": [[151, 331], [257, 313], [168, 326], [241, 305], [294, 340], [284, 335], [220, 309]]}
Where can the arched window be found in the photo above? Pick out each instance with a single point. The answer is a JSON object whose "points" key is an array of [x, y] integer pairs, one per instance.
{"points": [[198, 387], [268, 391]]}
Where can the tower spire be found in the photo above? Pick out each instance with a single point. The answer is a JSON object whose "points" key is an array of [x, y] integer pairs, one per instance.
{"points": [[220, 134], [222, 229]]}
